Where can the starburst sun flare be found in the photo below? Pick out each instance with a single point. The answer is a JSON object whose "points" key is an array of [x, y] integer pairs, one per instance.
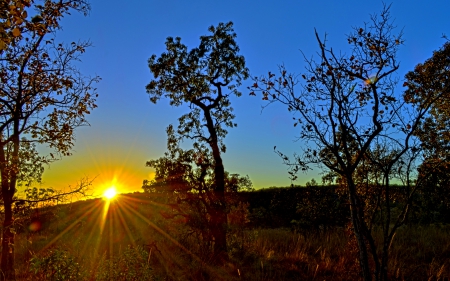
{"points": [[110, 193]]}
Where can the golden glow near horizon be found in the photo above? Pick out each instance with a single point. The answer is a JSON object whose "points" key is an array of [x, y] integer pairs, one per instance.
{"points": [[111, 188], [110, 193]]}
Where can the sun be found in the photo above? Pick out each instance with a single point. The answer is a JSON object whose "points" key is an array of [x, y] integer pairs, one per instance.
{"points": [[110, 193]]}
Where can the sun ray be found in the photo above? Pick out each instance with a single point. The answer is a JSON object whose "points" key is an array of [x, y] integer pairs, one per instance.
{"points": [[170, 238], [91, 238], [76, 222], [125, 225], [111, 224], [162, 232]]}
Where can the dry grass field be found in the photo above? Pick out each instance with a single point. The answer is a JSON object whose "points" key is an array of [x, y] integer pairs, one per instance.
{"points": [[131, 241]]}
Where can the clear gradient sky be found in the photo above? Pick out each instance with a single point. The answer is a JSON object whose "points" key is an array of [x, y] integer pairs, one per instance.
{"points": [[127, 130]]}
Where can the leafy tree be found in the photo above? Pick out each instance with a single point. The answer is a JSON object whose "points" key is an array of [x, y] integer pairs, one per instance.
{"points": [[203, 78], [432, 79], [432, 204], [43, 98], [352, 121], [185, 178], [12, 17]]}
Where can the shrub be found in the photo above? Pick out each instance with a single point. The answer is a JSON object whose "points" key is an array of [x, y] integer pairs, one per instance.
{"points": [[131, 265], [56, 265]]}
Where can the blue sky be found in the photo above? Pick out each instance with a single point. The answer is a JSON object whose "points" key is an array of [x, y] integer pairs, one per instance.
{"points": [[127, 130]]}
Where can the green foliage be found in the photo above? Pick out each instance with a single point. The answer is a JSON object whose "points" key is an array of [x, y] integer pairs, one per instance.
{"points": [[131, 265], [56, 265]]}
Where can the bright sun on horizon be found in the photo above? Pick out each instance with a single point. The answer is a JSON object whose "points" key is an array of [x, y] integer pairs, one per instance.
{"points": [[110, 193]]}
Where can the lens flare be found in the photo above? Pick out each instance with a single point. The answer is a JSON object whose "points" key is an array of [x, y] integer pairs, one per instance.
{"points": [[371, 80], [35, 226]]}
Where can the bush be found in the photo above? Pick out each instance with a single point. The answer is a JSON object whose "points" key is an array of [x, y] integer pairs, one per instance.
{"points": [[131, 265], [56, 265]]}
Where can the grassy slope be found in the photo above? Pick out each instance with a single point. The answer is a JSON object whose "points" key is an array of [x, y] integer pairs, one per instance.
{"points": [[92, 235]]}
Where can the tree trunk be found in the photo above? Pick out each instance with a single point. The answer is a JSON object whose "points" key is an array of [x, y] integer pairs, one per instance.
{"points": [[219, 218], [7, 261], [357, 222], [383, 276], [220, 236], [386, 241], [8, 174]]}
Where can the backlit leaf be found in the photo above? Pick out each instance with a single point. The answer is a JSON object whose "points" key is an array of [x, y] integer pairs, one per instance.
{"points": [[16, 32]]}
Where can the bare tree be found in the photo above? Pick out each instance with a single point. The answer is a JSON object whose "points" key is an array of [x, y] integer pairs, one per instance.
{"points": [[355, 125]]}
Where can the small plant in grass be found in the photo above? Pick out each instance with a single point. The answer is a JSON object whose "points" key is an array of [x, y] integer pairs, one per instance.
{"points": [[56, 265], [132, 264]]}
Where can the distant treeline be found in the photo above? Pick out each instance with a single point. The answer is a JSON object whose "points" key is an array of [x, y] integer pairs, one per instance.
{"points": [[319, 207], [296, 207]]}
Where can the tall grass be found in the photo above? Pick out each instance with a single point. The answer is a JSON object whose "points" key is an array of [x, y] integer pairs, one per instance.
{"points": [[143, 253], [418, 253]]}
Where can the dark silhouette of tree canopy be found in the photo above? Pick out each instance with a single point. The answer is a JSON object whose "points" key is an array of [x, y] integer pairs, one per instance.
{"points": [[355, 125], [203, 78], [43, 98], [185, 179], [432, 79]]}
